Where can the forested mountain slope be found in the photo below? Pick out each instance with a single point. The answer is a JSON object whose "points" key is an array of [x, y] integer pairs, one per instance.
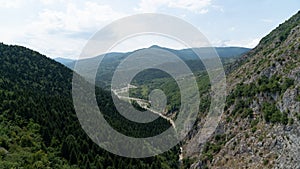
{"points": [[38, 124]]}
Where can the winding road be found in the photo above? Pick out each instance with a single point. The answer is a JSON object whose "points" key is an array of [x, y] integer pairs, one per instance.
{"points": [[144, 104]]}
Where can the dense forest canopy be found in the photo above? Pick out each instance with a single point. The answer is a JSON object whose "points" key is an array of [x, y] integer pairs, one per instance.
{"points": [[39, 127]]}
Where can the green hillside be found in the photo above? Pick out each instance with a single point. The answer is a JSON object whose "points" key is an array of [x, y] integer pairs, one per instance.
{"points": [[39, 127]]}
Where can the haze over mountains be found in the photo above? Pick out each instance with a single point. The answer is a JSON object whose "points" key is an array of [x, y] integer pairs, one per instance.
{"points": [[111, 61], [260, 126], [185, 54]]}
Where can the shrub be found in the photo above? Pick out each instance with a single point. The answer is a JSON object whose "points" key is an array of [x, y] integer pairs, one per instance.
{"points": [[286, 84], [254, 122], [266, 162], [291, 121], [273, 115], [284, 118], [298, 98], [247, 113]]}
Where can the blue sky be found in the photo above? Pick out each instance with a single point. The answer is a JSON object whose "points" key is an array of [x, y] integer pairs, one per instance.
{"points": [[61, 28]]}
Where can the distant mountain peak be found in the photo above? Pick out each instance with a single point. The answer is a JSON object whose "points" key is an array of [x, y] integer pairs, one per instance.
{"points": [[155, 46]]}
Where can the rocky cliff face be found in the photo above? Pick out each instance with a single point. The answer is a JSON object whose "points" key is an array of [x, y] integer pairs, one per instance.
{"points": [[260, 126]]}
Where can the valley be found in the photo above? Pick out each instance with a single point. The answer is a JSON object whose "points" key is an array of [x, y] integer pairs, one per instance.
{"points": [[259, 126]]}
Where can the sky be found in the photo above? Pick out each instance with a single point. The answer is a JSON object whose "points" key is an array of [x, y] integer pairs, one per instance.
{"points": [[61, 28]]}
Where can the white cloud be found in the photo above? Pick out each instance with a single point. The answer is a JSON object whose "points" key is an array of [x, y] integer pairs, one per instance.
{"points": [[49, 2], [89, 16], [8, 35], [150, 5], [232, 29], [252, 43], [196, 6], [218, 8], [53, 45], [59, 33], [10, 3], [248, 43]]}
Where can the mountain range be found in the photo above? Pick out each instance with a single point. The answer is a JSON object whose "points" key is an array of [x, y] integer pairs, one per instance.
{"points": [[259, 128], [112, 60]]}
